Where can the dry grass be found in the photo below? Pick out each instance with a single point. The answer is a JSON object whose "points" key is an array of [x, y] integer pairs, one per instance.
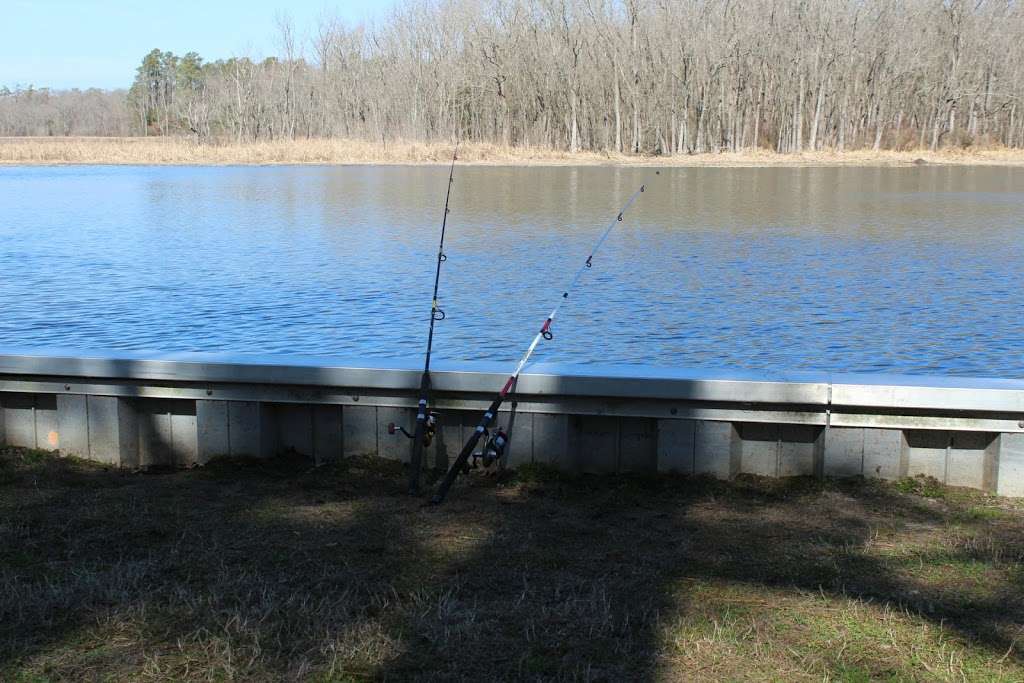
{"points": [[278, 571], [183, 151]]}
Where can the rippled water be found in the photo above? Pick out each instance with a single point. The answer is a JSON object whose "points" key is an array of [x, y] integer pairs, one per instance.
{"points": [[910, 270]]}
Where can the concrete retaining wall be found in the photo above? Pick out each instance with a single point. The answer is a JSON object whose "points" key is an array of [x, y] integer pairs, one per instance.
{"points": [[143, 412]]}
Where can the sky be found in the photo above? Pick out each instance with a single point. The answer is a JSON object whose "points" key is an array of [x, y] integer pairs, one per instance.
{"points": [[95, 43]]}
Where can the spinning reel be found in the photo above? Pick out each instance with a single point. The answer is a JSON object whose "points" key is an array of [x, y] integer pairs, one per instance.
{"points": [[429, 428], [493, 449]]}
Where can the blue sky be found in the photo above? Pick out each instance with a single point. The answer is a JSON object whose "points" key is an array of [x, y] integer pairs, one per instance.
{"points": [[92, 43]]}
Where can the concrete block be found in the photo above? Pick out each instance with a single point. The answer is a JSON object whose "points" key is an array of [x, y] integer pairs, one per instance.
{"points": [[270, 430], [359, 430], [598, 443], [992, 464], [20, 420], [844, 452], [1010, 477], [73, 425], [184, 437], [113, 431], [327, 433], [168, 433], [675, 446], [966, 461], [294, 427], [155, 438], [47, 435], [454, 427], [926, 453], [798, 449], [395, 446], [716, 449], [759, 449], [519, 450], [212, 438], [247, 430], [638, 444], [552, 443], [883, 453]]}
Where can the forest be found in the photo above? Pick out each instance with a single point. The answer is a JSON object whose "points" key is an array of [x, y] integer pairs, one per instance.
{"points": [[658, 77]]}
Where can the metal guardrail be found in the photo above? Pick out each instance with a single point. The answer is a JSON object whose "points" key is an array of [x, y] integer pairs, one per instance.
{"points": [[832, 406], [958, 394]]}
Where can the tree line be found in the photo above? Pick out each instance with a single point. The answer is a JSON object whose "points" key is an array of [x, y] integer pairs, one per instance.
{"points": [[41, 111], [635, 76]]}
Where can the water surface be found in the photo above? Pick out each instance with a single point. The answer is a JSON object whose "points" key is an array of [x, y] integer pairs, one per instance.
{"points": [[906, 270]]}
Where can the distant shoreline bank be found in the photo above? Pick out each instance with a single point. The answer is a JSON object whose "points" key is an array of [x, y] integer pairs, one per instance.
{"points": [[169, 151]]}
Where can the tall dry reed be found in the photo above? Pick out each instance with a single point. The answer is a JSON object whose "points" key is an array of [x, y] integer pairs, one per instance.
{"points": [[184, 151]]}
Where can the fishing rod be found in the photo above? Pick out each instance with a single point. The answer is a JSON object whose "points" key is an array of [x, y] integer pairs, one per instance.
{"points": [[426, 420], [493, 450]]}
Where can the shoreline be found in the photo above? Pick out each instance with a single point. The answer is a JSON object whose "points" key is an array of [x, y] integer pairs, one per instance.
{"points": [[151, 151]]}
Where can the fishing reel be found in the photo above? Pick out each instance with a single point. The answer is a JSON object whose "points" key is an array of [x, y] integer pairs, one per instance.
{"points": [[494, 448], [429, 429]]}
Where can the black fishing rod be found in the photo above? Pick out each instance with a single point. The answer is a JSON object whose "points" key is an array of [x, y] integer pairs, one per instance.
{"points": [[426, 420], [545, 333]]}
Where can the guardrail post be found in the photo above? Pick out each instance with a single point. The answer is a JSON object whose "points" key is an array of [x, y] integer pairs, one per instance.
{"points": [[856, 451], [250, 432], [1010, 465], [598, 443], [844, 452], [798, 447], [927, 453], [883, 454], [394, 446], [168, 432], [759, 446], [113, 431], [359, 425], [328, 437], [717, 449], [675, 445], [638, 444], [520, 444], [73, 425], [967, 459], [20, 420], [552, 440], [294, 427], [212, 438]]}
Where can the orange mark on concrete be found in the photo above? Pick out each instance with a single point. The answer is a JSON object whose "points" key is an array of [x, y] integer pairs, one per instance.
{"points": [[53, 439]]}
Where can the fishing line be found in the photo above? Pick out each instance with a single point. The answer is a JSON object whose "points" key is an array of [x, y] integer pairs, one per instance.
{"points": [[544, 333], [426, 420]]}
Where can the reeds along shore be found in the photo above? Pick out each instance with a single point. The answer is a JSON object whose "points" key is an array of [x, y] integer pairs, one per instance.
{"points": [[185, 151]]}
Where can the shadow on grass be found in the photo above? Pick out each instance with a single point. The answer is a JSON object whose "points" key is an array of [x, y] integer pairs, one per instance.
{"points": [[584, 578], [278, 570], [256, 571]]}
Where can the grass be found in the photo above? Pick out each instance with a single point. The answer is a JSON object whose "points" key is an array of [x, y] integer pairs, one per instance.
{"points": [[277, 570], [186, 151]]}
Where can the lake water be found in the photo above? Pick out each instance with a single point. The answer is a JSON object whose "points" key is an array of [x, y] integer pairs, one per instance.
{"points": [[907, 270]]}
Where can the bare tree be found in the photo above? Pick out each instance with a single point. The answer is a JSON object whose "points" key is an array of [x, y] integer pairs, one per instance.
{"points": [[644, 76]]}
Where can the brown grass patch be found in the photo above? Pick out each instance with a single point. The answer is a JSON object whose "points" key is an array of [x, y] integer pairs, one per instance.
{"points": [[186, 151], [278, 570]]}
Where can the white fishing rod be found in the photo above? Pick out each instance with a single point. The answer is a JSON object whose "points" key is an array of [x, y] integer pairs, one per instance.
{"points": [[545, 333]]}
